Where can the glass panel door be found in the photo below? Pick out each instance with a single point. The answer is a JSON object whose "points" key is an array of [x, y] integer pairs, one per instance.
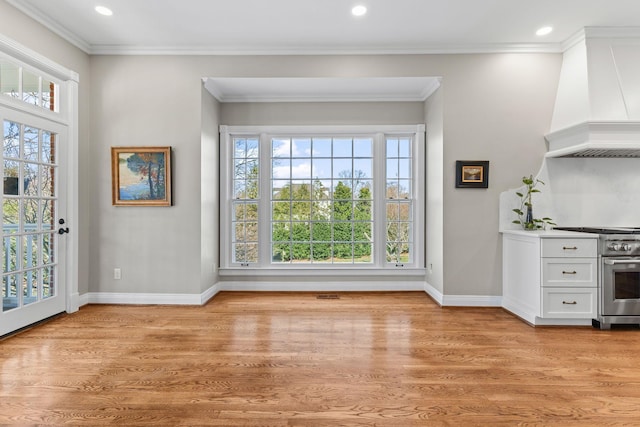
{"points": [[33, 221]]}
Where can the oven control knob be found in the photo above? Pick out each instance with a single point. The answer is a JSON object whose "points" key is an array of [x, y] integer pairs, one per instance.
{"points": [[614, 246], [625, 247]]}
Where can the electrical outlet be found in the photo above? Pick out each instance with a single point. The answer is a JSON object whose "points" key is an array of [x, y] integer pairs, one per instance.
{"points": [[117, 274]]}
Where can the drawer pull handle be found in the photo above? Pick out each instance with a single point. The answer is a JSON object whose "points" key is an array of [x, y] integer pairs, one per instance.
{"points": [[569, 272], [569, 248], [569, 303]]}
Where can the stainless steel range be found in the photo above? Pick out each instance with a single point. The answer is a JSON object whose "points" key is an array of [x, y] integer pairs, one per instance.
{"points": [[619, 275]]}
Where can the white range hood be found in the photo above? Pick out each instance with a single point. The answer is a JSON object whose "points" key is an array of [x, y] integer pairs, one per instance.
{"points": [[597, 109]]}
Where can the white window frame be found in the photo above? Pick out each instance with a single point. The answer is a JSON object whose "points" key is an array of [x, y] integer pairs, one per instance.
{"points": [[378, 134]]}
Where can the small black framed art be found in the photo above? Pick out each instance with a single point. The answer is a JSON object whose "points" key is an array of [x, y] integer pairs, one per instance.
{"points": [[472, 174]]}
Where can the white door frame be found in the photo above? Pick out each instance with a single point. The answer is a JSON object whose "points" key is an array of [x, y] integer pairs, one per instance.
{"points": [[67, 115]]}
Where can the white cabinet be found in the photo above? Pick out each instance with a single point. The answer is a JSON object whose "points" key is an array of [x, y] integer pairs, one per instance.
{"points": [[550, 277], [578, 272], [569, 247], [569, 303]]}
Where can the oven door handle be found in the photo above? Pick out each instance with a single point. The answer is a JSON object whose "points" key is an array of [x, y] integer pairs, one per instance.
{"points": [[621, 261]]}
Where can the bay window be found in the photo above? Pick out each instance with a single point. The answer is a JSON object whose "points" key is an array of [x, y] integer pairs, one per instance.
{"points": [[346, 197]]}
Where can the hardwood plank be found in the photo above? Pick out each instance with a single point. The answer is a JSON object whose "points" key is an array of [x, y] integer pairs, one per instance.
{"points": [[290, 359]]}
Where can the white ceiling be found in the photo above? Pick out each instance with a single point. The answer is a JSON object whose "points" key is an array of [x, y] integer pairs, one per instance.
{"points": [[324, 26]]}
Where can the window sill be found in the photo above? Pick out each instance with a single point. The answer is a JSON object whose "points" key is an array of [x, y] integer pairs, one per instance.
{"points": [[323, 272]]}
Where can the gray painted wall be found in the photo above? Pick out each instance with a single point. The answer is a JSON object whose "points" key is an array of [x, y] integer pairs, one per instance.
{"points": [[496, 107], [322, 113], [155, 102]]}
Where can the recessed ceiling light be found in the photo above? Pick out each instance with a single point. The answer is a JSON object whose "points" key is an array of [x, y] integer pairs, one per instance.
{"points": [[104, 11], [359, 10], [544, 31]]}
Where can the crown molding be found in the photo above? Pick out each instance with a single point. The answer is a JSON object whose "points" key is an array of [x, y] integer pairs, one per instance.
{"points": [[578, 37], [433, 85], [52, 25], [323, 50]]}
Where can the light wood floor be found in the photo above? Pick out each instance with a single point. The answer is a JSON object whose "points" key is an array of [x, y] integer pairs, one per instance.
{"points": [[277, 359]]}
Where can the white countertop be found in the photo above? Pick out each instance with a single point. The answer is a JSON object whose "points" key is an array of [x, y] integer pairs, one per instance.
{"points": [[551, 234]]}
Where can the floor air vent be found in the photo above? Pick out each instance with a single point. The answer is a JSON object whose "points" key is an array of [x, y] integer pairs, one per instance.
{"points": [[328, 296]]}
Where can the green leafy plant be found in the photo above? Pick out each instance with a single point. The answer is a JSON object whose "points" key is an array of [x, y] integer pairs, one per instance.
{"points": [[525, 215]]}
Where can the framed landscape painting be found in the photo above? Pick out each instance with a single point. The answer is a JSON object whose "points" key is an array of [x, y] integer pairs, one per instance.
{"points": [[141, 176], [472, 174]]}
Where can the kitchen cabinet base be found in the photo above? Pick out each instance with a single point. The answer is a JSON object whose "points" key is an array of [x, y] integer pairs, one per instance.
{"points": [[539, 321]]}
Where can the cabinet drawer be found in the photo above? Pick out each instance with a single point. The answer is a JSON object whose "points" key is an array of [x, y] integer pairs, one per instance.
{"points": [[565, 272], [561, 248], [575, 303]]}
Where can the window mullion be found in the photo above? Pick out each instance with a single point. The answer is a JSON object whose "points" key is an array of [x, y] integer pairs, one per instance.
{"points": [[264, 202], [379, 205]]}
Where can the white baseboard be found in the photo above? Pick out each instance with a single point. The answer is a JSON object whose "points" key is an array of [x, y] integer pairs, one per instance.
{"points": [[472, 301], [75, 301], [200, 299], [462, 300], [83, 299], [434, 293], [159, 299], [209, 293], [525, 313]]}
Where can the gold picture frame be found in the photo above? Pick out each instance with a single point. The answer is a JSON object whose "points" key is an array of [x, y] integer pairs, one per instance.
{"points": [[141, 176], [472, 174]]}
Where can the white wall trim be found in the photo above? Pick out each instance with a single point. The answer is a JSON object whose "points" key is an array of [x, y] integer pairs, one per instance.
{"points": [[462, 300], [34, 59], [434, 85], [203, 298], [76, 301], [517, 311], [576, 38], [136, 298], [149, 299], [472, 301], [515, 308], [320, 50], [434, 293], [209, 293], [72, 269]]}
